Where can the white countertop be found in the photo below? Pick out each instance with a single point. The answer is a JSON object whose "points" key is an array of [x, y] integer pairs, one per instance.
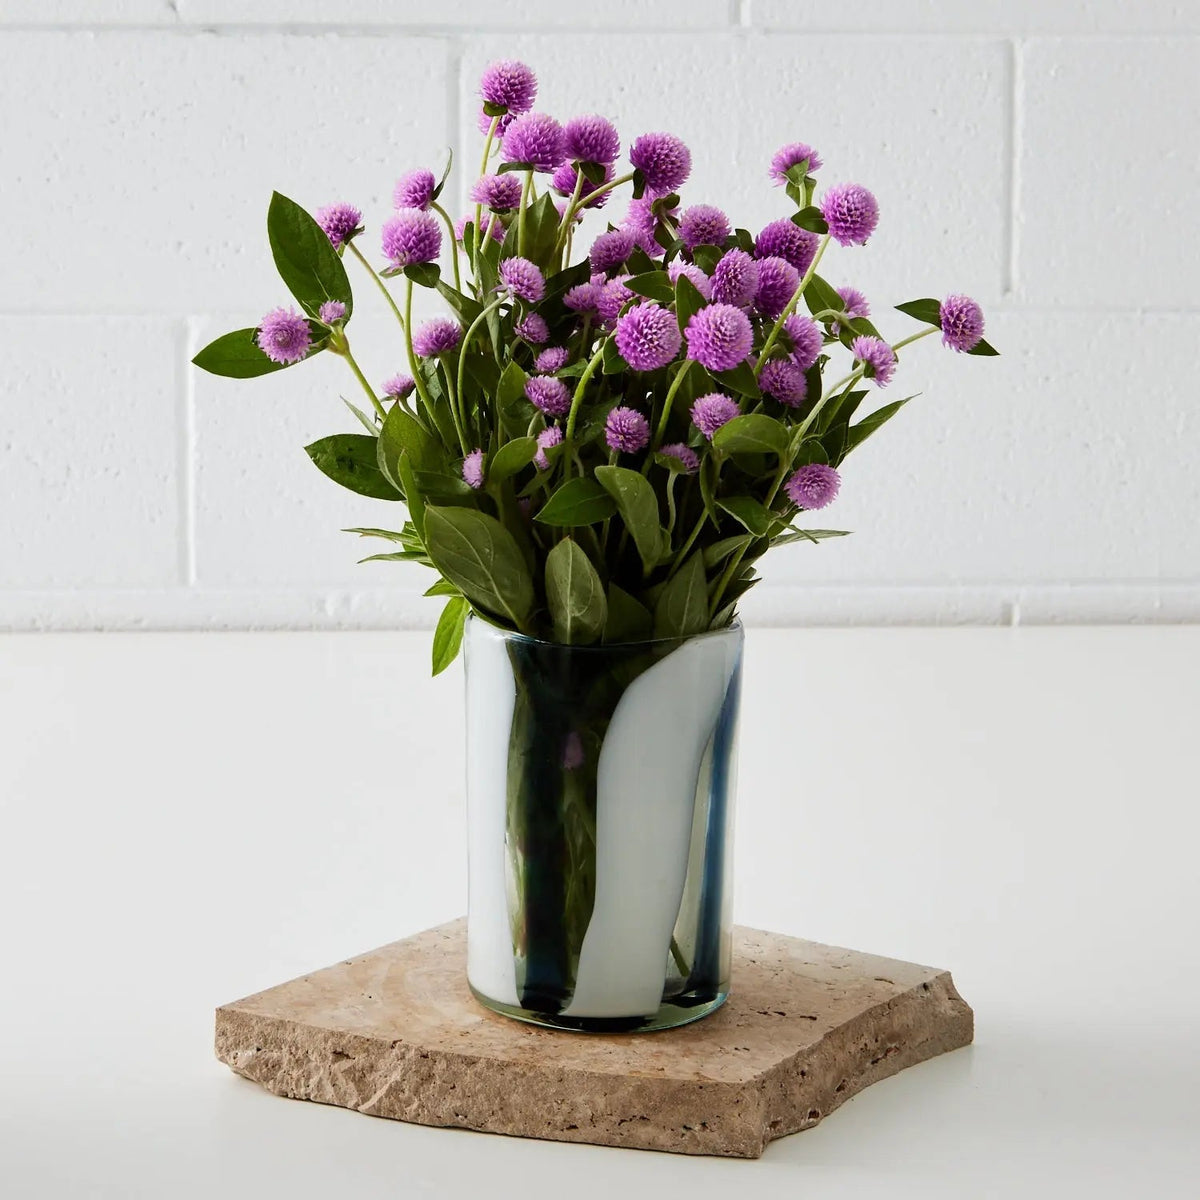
{"points": [[188, 818]]}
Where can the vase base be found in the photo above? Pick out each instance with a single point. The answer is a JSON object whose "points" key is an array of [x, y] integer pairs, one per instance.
{"points": [[671, 1015]]}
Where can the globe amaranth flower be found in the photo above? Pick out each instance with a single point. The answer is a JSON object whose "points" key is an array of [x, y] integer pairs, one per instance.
{"points": [[806, 339], [522, 279], [415, 190], [610, 250], [648, 337], [330, 311], [566, 177], [877, 357], [664, 161], [283, 335], [398, 386], [552, 359], [710, 412], [340, 222], [851, 212], [856, 303], [735, 279], [532, 329], [642, 221], [719, 337], [962, 323], [614, 295], [703, 225], [411, 236], [493, 227], [777, 283], [573, 756], [788, 156], [685, 456], [782, 239], [536, 139], [500, 193], [439, 336], [693, 274], [508, 84], [472, 469], [626, 430], [813, 486], [784, 380], [550, 436], [591, 139], [548, 395], [582, 298]]}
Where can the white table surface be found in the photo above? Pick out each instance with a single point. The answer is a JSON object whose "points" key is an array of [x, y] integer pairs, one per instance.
{"points": [[188, 818]]}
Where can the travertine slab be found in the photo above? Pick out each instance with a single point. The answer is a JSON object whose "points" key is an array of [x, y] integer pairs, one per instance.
{"points": [[396, 1033]]}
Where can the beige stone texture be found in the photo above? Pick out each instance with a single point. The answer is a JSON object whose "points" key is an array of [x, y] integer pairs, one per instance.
{"points": [[396, 1033]]}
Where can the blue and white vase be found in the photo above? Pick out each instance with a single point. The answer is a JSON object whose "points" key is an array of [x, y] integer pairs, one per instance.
{"points": [[600, 785]]}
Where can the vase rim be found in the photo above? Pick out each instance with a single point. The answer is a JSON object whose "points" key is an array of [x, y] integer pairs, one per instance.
{"points": [[473, 618]]}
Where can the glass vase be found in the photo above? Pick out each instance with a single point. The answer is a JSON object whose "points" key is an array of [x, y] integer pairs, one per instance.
{"points": [[600, 787]]}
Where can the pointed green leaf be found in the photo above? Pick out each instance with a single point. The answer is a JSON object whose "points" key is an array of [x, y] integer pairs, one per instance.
{"points": [[628, 619], [236, 356], [511, 387], [718, 552], [579, 501], [811, 219], [350, 459], [306, 260], [753, 433], [443, 587], [424, 274], [688, 301], [447, 637], [982, 347], [682, 608], [740, 380], [929, 311], [637, 503], [819, 296], [857, 434], [437, 191], [414, 497], [401, 431], [574, 594], [655, 285], [748, 512], [512, 457]]}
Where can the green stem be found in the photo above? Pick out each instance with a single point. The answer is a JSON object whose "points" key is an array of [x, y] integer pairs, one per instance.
{"points": [[462, 351], [418, 378], [916, 337], [666, 412], [790, 308], [387, 295], [568, 221], [577, 400], [600, 191], [687, 545], [344, 351], [487, 154], [525, 190], [437, 208], [457, 414]]}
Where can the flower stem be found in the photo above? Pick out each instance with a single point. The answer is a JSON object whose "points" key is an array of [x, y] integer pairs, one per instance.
{"points": [[660, 432], [600, 191], [459, 418], [342, 347], [916, 337], [790, 308], [437, 208], [387, 295], [462, 352], [525, 190], [577, 400], [418, 378], [564, 230], [487, 154]]}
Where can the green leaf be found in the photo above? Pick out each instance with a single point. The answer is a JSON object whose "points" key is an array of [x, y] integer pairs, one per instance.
{"points": [[638, 505], [236, 356], [740, 379], [811, 219], [611, 362], [363, 419], [350, 459], [682, 608], [512, 457], [982, 347], [707, 257], [628, 619], [718, 552], [388, 535], [441, 485], [574, 595], [579, 501], [426, 274], [492, 109], [511, 387], [477, 554], [754, 433], [541, 228], [748, 512], [808, 535], [819, 296], [688, 301], [447, 637], [655, 285], [466, 307], [857, 434], [437, 191], [402, 432], [593, 172], [306, 260], [929, 311], [414, 497], [443, 587]]}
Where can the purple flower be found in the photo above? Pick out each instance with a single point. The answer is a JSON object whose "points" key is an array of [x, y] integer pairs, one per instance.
{"points": [[614, 295], [398, 386], [550, 360], [330, 311], [500, 193], [548, 395], [648, 337], [610, 250], [283, 335], [509, 84], [782, 239], [415, 190], [962, 323], [626, 430], [411, 236], [533, 329], [565, 177], [777, 283], [502, 123], [710, 412], [691, 272], [522, 279], [664, 161], [719, 337], [573, 756], [536, 139], [550, 436], [642, 222], [735, 279], [439, 336], [788, 156], [813, 486], [684, 455], [783, 379], [582, 298], [703, 225], [851, 213], [805, 336], [591, 139], [877, 357], [856, 303], [472, 469], [340, 222]]}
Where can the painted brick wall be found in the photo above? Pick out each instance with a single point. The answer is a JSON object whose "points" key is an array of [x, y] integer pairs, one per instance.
{"points": [[1040, 156]]}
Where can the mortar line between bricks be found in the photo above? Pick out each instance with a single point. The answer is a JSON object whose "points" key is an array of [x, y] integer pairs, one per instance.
{"points": [[1016, 137]]}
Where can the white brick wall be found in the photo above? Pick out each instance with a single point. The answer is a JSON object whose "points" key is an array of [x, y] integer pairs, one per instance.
{"points": [[1037, 155]]}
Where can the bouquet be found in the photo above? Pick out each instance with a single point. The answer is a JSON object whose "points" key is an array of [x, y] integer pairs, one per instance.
{"points": [[593, 448]]}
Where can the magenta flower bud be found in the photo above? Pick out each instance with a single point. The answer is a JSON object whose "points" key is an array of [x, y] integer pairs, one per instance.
{"points": [[710, 412], [522, 279], [582, 298], [813, 486], [411, 236], [548, 395], [777, 283], [340, 222], [610, 250], [856, 303], [664, 161], [782, 239], [509, 84], [703, 225], [691, 272], [962, 323], [331, 311], [533, 329], [283, 335], [626, 430], [536, 139], [788, 156], [648, 337], [851, 212], [877, 357], [685, 456], [500, 193], [439, 336], [613, 296], [719, 337], [783, 379], [550, 436], [552, 359], [591, 139], [414, 190], [398, 386], [735, 279], [472, 469]]}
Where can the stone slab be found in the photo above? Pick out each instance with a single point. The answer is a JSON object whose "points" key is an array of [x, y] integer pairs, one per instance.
{"points": [[396, 1033]]}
